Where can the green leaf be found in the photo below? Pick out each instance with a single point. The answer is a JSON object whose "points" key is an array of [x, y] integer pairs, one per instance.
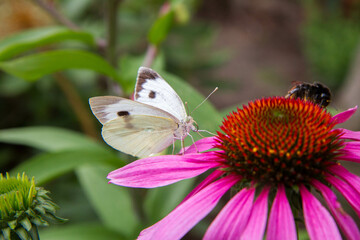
{"points": [[34, 38], [112, 203], [48, 138], [85, 231], [35, 66], [45, 167], [161, 28], [160, 201]]}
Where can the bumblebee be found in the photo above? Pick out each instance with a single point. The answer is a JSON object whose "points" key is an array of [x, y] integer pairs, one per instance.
{"points": [[316, 93]]}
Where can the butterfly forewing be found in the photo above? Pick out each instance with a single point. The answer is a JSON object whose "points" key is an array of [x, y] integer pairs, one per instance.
{"points": [[139, 135], [153, 90], [107, 108]]}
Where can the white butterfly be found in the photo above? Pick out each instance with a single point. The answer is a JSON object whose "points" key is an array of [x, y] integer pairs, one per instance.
{"points": [[147, 125]]}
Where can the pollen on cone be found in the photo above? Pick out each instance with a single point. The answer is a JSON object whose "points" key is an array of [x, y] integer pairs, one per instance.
{"points": [[279, 140]]}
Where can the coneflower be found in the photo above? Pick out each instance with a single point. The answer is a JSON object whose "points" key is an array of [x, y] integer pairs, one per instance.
{"points": [[270, 150]]}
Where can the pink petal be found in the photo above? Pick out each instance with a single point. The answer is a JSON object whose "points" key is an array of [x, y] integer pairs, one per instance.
{"points": [[209, 179], [352, 145], [232, 219], [351, 195], [163, 170], [348, 134], [318, 221], [201, 145], [344, 116], [188, 214], [255, 227], [349, 155], [351, 179], [281, 225], [346, 223]]}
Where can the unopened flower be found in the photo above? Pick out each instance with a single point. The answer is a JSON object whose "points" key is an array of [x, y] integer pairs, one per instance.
{"points": [[23, 208], [274, 152]]}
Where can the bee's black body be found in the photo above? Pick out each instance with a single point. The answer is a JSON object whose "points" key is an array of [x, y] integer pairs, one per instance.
{"points": [[316, 93]]}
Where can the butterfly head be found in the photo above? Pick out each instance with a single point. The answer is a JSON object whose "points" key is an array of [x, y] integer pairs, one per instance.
{"points": [[192, 124]]}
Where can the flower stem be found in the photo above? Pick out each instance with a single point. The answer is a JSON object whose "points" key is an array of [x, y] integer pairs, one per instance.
{"points": [[111, 7], [111, 26], [150, 55], [81, 111], [51, 10]]}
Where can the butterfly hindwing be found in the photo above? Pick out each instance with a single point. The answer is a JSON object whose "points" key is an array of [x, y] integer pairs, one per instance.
{"points": [[139, 135], [153, 90]]}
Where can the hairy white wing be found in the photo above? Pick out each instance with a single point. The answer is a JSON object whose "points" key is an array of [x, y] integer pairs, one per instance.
{"points": [[139, 135], [107, 108], [152, 89]]}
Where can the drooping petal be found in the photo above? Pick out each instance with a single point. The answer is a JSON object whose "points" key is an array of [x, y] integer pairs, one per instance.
{"points": [[189, 213], [351, 179], [163, 170], [281, 224], [201, 145], [353, 147], [351, 195], [344, 116], [346, 223], [232, 219], [209, 179], [318, 221], [349, 155], [348, 134], [255, 227]]}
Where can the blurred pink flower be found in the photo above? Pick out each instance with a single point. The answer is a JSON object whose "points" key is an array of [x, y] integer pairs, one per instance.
{"points": [[271, 149]]}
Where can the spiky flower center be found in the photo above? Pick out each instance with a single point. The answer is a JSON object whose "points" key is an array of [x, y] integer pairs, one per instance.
{"points": [[23, 207], [279, 140]]}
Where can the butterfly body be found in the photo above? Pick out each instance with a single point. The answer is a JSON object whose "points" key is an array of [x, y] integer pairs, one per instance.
{"points": [[149, 123]]}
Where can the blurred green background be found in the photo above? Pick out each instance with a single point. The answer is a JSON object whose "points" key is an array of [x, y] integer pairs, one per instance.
{"points": [[54, 55]]}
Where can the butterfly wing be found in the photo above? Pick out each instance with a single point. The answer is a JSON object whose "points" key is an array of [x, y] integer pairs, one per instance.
{"points": [[107, 108], [153, 90], [139, 135]]}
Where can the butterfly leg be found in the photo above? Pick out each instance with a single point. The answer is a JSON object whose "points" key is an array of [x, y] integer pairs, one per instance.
{"points": [[194, 142], [173, 144], [182, 146]]}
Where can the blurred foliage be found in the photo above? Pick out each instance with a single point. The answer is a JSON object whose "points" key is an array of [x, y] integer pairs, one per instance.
{"points": [[331, 38], [47, 129], [49, 72]]}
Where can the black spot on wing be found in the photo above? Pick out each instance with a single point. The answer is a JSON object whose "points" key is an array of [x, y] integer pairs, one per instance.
{"points": [[123, 113], [152, 94], [146, 74]]}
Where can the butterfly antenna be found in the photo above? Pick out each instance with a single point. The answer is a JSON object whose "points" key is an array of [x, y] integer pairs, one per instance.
{"points": [[187, 108], [206, 132], [204, 100]]}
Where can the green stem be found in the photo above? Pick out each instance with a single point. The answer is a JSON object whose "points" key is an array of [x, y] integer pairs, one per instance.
{"points": [[56, 15], [76, 103], [111, 27], [111, 7], [138, 195], [150, 55]]}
